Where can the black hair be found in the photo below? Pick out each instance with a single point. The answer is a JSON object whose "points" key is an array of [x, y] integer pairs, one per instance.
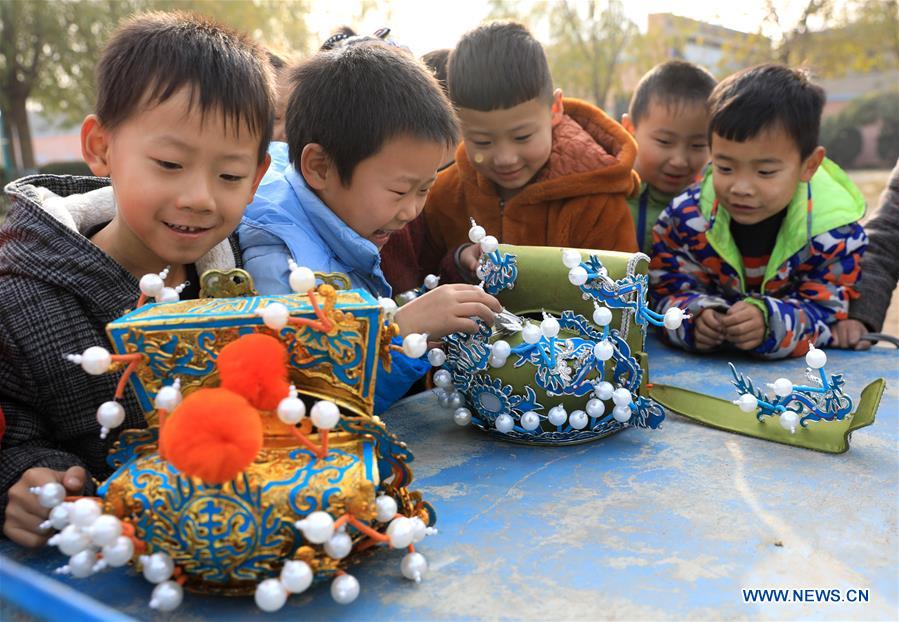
{"points": [[353, 99], [767, 96], [153, 55], [498, 65], [437, 61], [275, 60], [672, 83]]}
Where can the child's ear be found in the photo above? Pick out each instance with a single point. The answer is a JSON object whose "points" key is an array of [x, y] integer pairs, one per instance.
{"points": [[557, 108], [95, 145], [260, 172], [811, 164], [627, 124], [315, 166]]}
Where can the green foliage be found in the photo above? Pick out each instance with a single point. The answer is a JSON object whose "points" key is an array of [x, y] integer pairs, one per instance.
{"points": [[841, 135], [73, 167], [843, 142]]}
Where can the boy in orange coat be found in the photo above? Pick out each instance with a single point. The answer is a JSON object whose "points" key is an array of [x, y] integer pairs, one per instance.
{"points": [[533, 169]]}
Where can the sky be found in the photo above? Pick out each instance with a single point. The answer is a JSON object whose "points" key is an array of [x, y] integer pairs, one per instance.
{"points": [[425, 25]]}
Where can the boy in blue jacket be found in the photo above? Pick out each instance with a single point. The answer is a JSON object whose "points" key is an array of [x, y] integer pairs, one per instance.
{"points": [[367, 128]]}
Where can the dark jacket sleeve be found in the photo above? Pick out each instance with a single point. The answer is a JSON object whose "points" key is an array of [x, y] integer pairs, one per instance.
{"points": [[880, 264]]}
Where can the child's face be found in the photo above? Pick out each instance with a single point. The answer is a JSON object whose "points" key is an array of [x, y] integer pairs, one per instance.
{"points": [[387, 190], [181, 180], [510, 145], [757, 178], [672, 144]]}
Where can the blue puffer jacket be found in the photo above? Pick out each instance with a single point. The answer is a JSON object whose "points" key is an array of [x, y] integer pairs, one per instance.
{"points": [[287, 219]]}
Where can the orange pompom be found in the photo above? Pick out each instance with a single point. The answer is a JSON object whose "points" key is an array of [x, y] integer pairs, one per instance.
{"points": [[214, 434], [255, 366]]}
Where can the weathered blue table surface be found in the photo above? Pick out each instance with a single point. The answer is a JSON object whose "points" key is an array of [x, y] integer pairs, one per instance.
{"points": [[645, 525]]}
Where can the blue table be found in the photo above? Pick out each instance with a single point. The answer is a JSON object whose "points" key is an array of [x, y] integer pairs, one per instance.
{"points": [[667, 524]]}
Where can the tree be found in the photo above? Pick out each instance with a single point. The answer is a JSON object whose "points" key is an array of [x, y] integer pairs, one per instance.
{"points": [[48, 50]]}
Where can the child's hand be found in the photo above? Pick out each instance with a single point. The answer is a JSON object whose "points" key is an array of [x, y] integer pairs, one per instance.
{"points": [[846, 334], [447, 309], [744, 325], [708, 329], [469, 258], [23, 512]]}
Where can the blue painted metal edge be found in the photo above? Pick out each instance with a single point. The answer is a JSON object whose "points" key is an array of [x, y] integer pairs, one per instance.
{"points": [[45, 598]]}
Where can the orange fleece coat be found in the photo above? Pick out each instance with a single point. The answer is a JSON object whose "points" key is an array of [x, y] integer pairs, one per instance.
{"points": [[578, 199]]}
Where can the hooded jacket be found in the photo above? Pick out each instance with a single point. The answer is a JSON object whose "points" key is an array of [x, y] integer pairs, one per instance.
{"points": [[809, 279], [578, 199], [57, 293]]}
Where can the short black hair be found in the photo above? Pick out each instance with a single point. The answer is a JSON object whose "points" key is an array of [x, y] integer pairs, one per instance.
{"points": [[768, 96], [437, 60], [672, 83], [498, 65], [353, 99], [151, 56]]}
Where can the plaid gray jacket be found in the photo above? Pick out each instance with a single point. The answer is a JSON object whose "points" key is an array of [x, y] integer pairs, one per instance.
{"points": [[57, 293]]}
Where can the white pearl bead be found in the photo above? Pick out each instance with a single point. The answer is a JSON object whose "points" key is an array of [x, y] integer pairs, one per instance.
{"points": [[622, 397], [747, 402], [105, 530], [476, 234], [385, 508], [504, 423], [431, 281], [291, 410], [455, 400], [339, 545], [443, 397], [81, 564], [70, 540], [415, 345], [571, 258], [577, 276], [168, 398], [270, 595], [85, 512], [782, 387], [419, 529], [168, 294], [414, 566], [602, 316], [530, 421], [301, 279], [595, 408], [621, 414], [604, 390], [816, 358], [496, 362], [388, 305], [462, 416], [325, 414], [557, 415], [436, 357], [119, 552], [317, 528], [344, 589], [443, 379], [673, 319], [400, 532], [501, 348], [151, 285], [578, 419], [789, 420], [530, 333], [60, 515], [157, 567], [110, 415], [549, 327], [50, 494], [96, 360], [603, 350], [296, 576], [489, 244], [167, 596], [275, 315]]}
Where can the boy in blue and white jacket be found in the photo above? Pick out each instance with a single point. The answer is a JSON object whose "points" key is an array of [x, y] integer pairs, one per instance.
{"points": [[361, 157]]}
